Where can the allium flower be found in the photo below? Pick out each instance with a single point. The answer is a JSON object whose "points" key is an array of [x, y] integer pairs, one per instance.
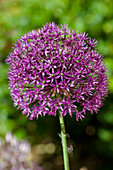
{"points": [[56, 68], [14, 153]]}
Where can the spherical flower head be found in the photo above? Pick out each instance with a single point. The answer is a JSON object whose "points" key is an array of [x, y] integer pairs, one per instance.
{"points": [[56, 68], [14, 155]]}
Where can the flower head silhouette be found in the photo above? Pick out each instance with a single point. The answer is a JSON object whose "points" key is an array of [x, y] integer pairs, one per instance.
{"points": [[56, 68]]}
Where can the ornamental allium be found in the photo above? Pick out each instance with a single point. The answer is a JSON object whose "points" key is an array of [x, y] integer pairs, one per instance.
{"points": [[14, 155], [56, 68]]}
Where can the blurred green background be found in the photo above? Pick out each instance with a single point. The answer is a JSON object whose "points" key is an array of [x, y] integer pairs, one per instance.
{"points": [[91, 138]]}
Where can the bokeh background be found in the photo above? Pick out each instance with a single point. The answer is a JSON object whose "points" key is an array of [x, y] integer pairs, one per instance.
{"points": [[92, 138]]}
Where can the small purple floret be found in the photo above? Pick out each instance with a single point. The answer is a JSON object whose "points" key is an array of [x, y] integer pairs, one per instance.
{"points": [[56, 68]]}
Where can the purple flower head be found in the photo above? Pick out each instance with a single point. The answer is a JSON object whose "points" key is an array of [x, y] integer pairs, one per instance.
{"points": [[56, 68]]}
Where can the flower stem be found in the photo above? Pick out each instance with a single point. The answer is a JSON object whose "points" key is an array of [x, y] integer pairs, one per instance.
{"points": [[64, 142]]}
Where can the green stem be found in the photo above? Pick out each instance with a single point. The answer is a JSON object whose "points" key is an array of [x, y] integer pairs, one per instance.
{"points": [[64, 142]]}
